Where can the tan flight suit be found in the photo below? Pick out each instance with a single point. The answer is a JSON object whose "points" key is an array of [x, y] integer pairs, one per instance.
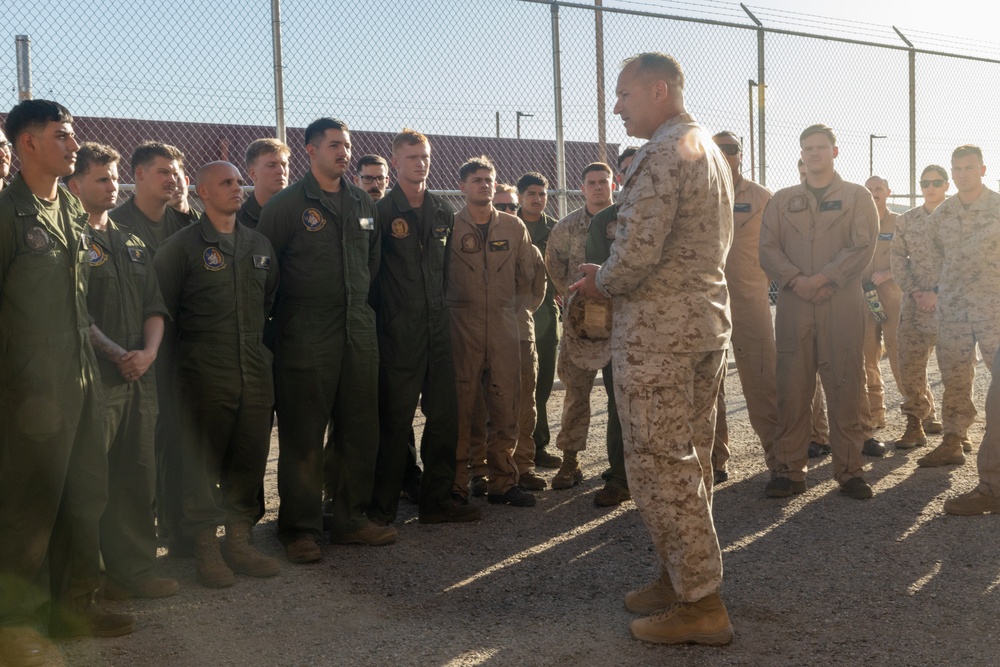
{"points": [[965, 246], [578, 360], [528, 300], [671, 329], [835, 237], [484, 279], [890, 296], [917, 334]]}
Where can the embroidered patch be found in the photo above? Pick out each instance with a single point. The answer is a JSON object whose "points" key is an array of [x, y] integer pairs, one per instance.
{"points": [[885, 237], [797, 203], [499, 245], [400, 228], [137, 254], [261, 262], [96, 254], [214, 261], [367, 224], [835, 205], [313, 219], [38, 240], [471, 243], [742, 208], [440, 232]]}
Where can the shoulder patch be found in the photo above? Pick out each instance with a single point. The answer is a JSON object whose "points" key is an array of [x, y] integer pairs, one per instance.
{"points": [[471, 243], [214, 261], [313, 219]]}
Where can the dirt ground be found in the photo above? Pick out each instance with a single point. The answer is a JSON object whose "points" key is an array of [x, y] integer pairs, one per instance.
{"points": [[815, 580]]}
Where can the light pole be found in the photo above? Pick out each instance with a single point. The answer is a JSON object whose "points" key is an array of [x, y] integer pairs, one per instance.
{"points": [[520, 115], [753, 165], [871, 140]]}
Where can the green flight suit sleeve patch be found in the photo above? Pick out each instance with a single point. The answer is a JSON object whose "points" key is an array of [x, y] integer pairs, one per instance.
{"points": [[313, 219], [214, 261], [137, 255], [261, 262], [367, 224]]}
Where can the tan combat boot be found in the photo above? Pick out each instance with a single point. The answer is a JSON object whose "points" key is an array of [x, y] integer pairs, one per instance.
{"points": [[653, 597], [914, 435], [242, 557], [972, 502], [703, 622], [569, 474], [209, 567], [949, 452]]}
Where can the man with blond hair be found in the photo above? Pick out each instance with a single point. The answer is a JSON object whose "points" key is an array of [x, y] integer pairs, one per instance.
{"points": [[267, 167]]}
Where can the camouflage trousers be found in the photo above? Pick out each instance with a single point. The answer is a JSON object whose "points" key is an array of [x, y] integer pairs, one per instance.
{"points": [[956, 353], [877, 333], [988, 459], [720, 444], [917, 336], [482, 435], [667, 406], [572, 436]]}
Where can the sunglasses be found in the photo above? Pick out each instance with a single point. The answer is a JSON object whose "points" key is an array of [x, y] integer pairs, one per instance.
{"points": [[936, 182], [730, 149], [509, 208]]}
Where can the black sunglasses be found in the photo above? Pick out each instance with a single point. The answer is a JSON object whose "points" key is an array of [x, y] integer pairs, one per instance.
{"points": [[936, 182], [510, 208], [730, 149]]}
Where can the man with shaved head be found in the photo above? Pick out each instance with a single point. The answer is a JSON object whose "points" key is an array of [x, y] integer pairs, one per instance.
{"points": [[218, 282], [669, 335]]}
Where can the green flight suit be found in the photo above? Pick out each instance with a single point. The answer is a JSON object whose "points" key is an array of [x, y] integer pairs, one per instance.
{"points": [[249, 214], [219, 290], [325, 354], [123, 294], [546, 336], [153, 233], [414, 337], [53, 467], [599, 239]]}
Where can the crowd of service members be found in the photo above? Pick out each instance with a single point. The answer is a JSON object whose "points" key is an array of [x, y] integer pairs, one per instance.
{"points": [[147, 351]]}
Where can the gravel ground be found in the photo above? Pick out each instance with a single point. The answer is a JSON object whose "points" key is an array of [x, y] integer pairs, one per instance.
{"points": [[815, 580]]}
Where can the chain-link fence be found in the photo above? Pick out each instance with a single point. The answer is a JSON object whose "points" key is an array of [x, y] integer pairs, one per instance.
{"points": [[529, 83]]}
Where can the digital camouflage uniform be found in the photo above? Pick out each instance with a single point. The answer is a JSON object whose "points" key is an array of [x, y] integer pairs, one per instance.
{"points": [[219, 289], [168, 436], [917, 333], [578, 359], [414, 338], [877, 333], [600, 236], [326, 354], [964, 255], [671, 329], [123, 294], [835, 237], [485, 280], [546, 321], [53, 466]]}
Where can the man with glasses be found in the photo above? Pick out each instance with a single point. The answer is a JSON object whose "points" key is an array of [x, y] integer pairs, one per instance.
{"points": [[753, 331], [917, 334], [579, 359], [963, 247], [267, 166], [372, 175], [5, 159]]}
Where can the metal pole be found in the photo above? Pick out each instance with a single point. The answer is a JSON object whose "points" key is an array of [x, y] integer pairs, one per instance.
{"points": [[498, 124], [557, 91], [761, 133], [871, 141], [753, 166], [23, 49], [279, 84], [913, 116], [602, 140]]}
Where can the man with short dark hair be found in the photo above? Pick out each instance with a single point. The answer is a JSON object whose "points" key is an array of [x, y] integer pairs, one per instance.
{"points": [[820, 313], [5, 159], [326, 238], [267, 166], [54, 476], [491, 266], [372, 175], [533, 193], [579, 358], [671, 328], [181, 201], [219, 282], [124, 300], [963, 234]]}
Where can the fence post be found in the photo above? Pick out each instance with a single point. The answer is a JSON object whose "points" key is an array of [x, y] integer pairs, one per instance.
{"points": [[761, 126], [602, 139], [23, 46], [913, 117], [557, 91], [279, 85]]}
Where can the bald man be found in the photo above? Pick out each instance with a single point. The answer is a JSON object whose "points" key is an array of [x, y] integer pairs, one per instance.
{"points": [[218, 282]]}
